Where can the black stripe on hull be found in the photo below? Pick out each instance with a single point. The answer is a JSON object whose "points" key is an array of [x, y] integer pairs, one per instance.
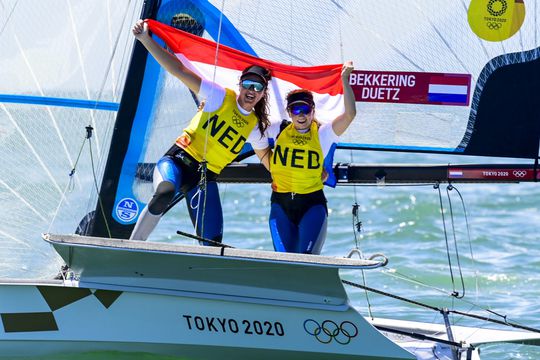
{"points": [[58, 297], [107, 297], [29, 322]]}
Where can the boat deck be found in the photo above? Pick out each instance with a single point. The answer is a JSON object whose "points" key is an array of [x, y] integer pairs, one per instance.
{"points": [[226, 252]]}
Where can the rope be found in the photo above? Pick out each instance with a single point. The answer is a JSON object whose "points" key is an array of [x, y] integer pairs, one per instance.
{"points": [[111, 58], [404, 277], [448, 189], [357, 228], [9, 17], [468, 235], [89, 134], [436, 186], [72, 172], [70, 185], [203, 168], [474, 316]]}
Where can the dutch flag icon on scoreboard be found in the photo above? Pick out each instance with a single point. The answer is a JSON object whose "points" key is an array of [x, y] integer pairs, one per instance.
{"points": [[449, 90]]}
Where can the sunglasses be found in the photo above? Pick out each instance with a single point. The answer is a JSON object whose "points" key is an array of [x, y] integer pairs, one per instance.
{"points": [[300, 109], [252, 85]]}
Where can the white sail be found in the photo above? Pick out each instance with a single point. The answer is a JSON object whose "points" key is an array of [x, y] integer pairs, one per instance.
{"points": [[83, 50], [62, 68]]}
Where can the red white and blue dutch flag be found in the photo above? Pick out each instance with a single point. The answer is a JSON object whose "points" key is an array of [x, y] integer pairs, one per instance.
{"points": [[224, 66], [450, 90]]}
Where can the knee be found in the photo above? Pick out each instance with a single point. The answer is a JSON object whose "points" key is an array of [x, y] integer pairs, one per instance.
{"points": [[162, 197]]}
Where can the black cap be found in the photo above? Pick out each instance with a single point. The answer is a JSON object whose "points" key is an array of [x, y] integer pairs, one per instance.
{"points": [[261, 72], [300, 97]]}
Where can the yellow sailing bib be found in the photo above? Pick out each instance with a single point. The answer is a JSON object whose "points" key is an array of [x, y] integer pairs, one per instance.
{"points": [[227, 130], [297, 161]]}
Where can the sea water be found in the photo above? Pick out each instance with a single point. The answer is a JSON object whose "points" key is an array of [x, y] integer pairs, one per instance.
{"points": [[499, 256]]}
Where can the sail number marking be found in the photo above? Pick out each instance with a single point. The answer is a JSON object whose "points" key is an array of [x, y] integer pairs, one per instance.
{"points": [[224, 325]]}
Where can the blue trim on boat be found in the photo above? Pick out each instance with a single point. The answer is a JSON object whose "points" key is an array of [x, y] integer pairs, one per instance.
{"points": [[62, 102]]}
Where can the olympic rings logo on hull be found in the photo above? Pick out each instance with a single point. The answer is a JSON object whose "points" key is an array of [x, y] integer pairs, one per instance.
{"points": [[329, 330], [519, 173]]}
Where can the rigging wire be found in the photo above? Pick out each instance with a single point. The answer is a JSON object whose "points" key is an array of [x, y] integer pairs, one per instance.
{"points": [[448, 189], [89, 132], [70, 184], [203, 165], [72, 172], [454, 292], [431, 307], [89, 135], [401, 276], [9, 17], [468, 236], [357, 228], [109, 68]]}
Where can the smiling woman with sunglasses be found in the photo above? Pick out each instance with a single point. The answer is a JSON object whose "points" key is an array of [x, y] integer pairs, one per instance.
{"points": [[298, 212], [233, 118]]}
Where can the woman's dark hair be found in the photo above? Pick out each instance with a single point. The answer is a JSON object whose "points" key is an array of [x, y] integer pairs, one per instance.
{"points": [[262, 110]]}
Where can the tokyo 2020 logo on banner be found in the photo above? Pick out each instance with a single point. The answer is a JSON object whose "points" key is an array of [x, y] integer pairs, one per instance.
{"points": [[496, 20]]}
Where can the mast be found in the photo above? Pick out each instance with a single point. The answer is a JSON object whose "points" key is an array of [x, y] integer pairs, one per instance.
{"points": [[104, 225]]}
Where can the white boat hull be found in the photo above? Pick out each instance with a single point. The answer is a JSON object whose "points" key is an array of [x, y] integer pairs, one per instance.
{"points": [[62, 319], [209, 303], [195, 302]]}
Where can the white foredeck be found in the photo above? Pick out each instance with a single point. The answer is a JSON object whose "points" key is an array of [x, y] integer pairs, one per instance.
{"points": [[255, 255]]}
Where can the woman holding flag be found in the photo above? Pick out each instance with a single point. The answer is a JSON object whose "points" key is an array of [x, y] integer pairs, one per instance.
{"points": [[298, 214], [212, 140]]}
